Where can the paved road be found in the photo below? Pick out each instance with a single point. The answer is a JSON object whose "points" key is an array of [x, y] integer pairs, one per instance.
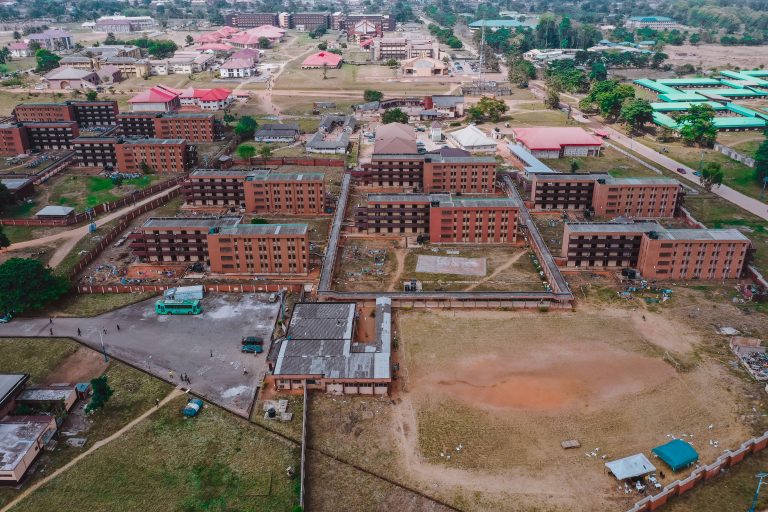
{"points": [[749, 204], [66, 240]]}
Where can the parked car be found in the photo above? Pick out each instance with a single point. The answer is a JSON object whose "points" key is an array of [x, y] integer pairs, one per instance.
{"points": [[253, 340], [5, 318], [192, 408], [697, 173], [251, 349], [681, 170]]}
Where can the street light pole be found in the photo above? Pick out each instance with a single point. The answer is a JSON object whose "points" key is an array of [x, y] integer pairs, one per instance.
{"points": [[103, 350], [757, 491]]}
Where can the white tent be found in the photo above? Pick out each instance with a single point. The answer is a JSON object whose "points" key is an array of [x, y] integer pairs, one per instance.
{"points": [[630, 467], [472, 138]]}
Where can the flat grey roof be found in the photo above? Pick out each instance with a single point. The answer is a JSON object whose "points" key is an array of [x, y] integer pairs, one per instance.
{"points": [[191, 222], [404, 198], [335, 356], [15, 183], [17, 438], [570, 177], [10, 383], [153, 141], [265, 229], [433, 157], [223, 173], [307, 176], [322, 321], [703, 234], [613, 227], [480, 201], [55, 211], [643, 181], [50, 394]]}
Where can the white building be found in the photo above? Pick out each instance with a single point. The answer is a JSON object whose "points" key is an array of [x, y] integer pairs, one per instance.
{"points": [[238, 68]]}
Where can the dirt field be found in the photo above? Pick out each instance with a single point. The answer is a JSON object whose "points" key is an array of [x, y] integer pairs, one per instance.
{"points": [[708, 56], [483, 431]]}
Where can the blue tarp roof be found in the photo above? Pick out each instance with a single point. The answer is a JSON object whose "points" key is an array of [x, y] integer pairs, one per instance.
{"points": [[677, 454]]}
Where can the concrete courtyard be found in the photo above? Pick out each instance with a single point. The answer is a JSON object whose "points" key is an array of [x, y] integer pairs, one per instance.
{"points": [[206, 347]]}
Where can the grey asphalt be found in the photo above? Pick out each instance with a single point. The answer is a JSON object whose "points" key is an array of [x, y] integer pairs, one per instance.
{"points": [[168, 346]]}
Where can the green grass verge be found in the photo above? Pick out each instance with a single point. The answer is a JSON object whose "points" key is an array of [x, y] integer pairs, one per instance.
{"points": [[213, 462], [93, 304], [35, 356]]}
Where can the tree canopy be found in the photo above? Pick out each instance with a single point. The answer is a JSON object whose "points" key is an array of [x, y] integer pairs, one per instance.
{"points": [[246, 127], [761, 162], [608, 97], [394, 115], [46, 60], [636, 112], [698, 125], [711, 176], [488, 108], [245, 152], [101, 394], [4, 242], [26, 285], [371, 95], [520, 71]]}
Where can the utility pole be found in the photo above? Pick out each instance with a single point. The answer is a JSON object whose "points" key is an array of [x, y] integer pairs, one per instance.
{"points": [[757, 491], [482, 45]]}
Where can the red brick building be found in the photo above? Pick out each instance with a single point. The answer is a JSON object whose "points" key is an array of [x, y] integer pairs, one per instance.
{"points": [[176, 239], [464, 220], [465, 174], [398, 171], [194, 127], [285, 193], [213, 187], [264, 249], [137, 124], [164, 156], [95, 151], [53, 135], [85, 113], [657, 252], [13, 139], [605, 196], [447, 219]]}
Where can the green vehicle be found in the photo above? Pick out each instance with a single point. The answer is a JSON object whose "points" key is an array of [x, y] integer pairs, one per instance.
{"points": [[178, 307]]}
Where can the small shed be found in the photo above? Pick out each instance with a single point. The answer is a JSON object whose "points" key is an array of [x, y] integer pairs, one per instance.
{"points": [[55, 213], [677, 454], [630, 467], [195, 292]]}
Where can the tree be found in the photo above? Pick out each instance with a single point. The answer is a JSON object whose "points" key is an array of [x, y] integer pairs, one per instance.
{"points": [[695, 38], [26, 285], [101, 394], [391, 63], [698, 126], [520, 71], [16, 35], [33, 46], [598, 72], [552, 100], [325, 71], [4, 242], [658, 59], [246, 127], [111, 39], [264, 43], [608, 96], [711, 175], [91, 95], [245, 152], [761, 162], [265, 152], [636, 112], [394, 115], [371, 95], [6, 198], [46, 60], [228, 118], [189, 40], [145, 168], [322, 46], [489, 108]]}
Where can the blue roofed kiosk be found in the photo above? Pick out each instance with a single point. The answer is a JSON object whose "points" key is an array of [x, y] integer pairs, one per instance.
{"points": [[677, 454]]}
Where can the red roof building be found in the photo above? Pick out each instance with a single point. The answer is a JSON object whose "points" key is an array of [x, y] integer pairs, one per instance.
{"points": [[322, 59], [206, 99], [553, 142], [156, 99]]}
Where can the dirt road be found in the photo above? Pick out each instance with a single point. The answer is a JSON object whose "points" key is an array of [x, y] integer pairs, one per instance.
{"points": [[66, 240]]}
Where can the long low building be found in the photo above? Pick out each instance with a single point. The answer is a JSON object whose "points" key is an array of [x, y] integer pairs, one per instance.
{"points": [[320, 351], [657, 252], [446, 218], [22, 439], [225, 244], [554, 142], [606, 196]]}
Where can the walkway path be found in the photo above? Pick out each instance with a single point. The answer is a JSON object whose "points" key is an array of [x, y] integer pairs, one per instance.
{"points": [[98, 444], [511, 261], [66, 240]]}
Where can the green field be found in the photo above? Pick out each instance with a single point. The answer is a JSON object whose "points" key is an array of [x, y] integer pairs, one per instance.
{"points": [[84, 192], [213, 462]]}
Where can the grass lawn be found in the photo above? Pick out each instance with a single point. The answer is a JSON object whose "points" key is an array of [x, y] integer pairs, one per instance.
{"points": [[611, 161], [83, 192], [53, 358], [93, 304], [212, 462]]}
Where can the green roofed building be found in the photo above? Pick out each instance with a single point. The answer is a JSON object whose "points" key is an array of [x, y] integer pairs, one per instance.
{"points": [[692, 82], [682, 106], [655, 86], [677, 454], [495, 24], [682, 96]]}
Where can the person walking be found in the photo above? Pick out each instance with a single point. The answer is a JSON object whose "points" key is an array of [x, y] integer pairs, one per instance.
{"points": [[50, 321], [78, 331], [118, 327], [105, 331], [211, 352], [51, 331], [157, 402]]}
